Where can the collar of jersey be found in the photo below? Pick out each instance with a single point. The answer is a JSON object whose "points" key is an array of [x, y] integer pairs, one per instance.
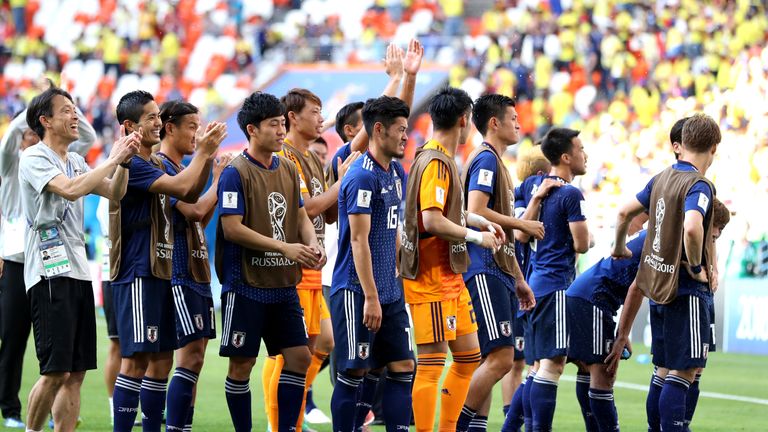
{"points": [[682, 165], [272, 165], [434, 144], [288, 143], [492, 148]]}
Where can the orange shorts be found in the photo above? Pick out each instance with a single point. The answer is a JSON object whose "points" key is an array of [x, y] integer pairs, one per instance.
{"points": [[315, 309], [443, 320]]}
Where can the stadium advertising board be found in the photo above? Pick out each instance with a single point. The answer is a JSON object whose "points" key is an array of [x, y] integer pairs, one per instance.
{"points": [[746, 321]]}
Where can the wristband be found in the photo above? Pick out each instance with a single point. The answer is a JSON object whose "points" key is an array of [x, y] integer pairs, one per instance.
{"points": [[696, 269], [473, 236], [476, 220], [125, 165]]}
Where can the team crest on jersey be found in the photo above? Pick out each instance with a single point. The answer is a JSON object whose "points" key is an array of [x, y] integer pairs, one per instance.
{"points": [[520, 343], [451, 322], [199, 321], [363, 350], [506, 328], [238, 339], [152, 333]]}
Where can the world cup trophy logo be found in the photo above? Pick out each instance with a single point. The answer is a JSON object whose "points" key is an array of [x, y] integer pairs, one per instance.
{"points": [[277, 207], [317, 188], [660, 208], [167, 229]]}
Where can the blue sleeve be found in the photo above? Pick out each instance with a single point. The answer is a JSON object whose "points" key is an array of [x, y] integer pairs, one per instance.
{"points": [[343, 152], [699, 197], [359, 188], [298, 183], [142, 174], [482, 173], [171, 172], [644, 196], [573, 204], [231, 199]]}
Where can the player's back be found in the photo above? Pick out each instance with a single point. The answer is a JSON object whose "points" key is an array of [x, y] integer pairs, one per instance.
{"points": [[523, 193]]}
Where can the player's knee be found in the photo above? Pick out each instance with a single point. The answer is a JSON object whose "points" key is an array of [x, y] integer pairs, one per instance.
{"points": [[499, 362], [240, 368], [402, 366], [136, 366], [54, 381], [518, 366], [297, 360], [193, 361]]}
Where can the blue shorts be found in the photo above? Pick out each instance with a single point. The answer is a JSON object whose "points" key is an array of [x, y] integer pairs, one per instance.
{"points": [[685, 333], [195, 318], [712, 337], [591, 331], [145, 319], [518, 329], [549, 331], [359, 348], [494, 304], [246, 322], [527, 340]]}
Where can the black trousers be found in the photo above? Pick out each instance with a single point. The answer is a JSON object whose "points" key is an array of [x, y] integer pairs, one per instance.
{"points": [[15, 324]]}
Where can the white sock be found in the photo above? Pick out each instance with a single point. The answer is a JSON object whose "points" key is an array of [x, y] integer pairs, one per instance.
{"points": [[111, 409]]}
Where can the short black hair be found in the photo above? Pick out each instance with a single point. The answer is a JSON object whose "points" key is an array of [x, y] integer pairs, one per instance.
{"points": [[173, 111], [131, 106], [557, 142], [42, 105], [348, 115], [676, 133], [447, 107], [320, 140], [487, 107], [384, 110], [256, 108]]}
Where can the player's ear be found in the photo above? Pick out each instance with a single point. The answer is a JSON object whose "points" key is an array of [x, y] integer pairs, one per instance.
{"points": [[251, 129]]}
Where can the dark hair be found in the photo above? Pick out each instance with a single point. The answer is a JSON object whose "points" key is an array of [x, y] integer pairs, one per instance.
{"points": [[42, 105], [447, 107], [384, 110], [676, 133], [131, 106], [173, 111], [320, 140], [487, 107], [258, 107], [701, 133], [348, 115], [295, 100], [557, 142], [720, 214]]}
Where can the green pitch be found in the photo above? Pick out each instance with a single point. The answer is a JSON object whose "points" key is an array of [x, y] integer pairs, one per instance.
{"points": [[729, 374]]}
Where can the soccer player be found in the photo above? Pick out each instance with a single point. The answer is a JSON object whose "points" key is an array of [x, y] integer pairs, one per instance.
{"points": [[52, 183], [141, 236], [494, 279], [191, 275], [320, 148], [369, 312], [679, 235], [553, 268], [531, 168], [14, 305], [433, 256], [265, 237]]}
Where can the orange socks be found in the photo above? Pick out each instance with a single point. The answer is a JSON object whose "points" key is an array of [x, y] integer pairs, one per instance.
{"points": [[456, 386], [273, 412], [314, 367], [428, 371], [266, 377]]}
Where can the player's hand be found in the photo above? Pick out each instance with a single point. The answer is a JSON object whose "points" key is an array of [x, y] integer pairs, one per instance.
{"points": [[413, 57], [496, 229], [393, 62], [533, 228], [344, 166], [714, 283], [546, 187], [524, 294], [304, 255], [700, 277], [2, 266], [621, 252], [372, 313], [220, 164], [320, 254], [613, 357], [214, 134], [125, 147], [490, 240]]}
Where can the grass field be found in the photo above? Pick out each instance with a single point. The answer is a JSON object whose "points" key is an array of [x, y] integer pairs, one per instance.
{"points": [[730, 374]]}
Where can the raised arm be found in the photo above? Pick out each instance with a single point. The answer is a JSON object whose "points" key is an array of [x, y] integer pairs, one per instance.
{"points": [[11, 142], [203, 209], [411, 66]]}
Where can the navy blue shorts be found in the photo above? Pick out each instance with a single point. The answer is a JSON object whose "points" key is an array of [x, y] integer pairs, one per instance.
{"points": [[712, 337], [549, 330], [527, 340], [194, 316], [518, 329], [246, 322], [591, 331], [681, 333], [359, 348], [146, 322], [494, 304]]}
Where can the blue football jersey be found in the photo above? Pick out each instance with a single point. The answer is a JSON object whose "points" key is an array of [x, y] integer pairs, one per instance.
{"points": [[524, 251], [369, 188]]}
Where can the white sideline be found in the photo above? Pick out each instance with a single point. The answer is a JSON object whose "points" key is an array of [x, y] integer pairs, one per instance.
{"points": [[713, 395]]}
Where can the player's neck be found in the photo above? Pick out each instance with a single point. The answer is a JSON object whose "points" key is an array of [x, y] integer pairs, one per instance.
{"points": [[698, 160], [262, 156], [58, 144], [379, 156], [145, 150], [562, 171], [449, 139], [171, 152], [497, 144], [295, 140]]}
